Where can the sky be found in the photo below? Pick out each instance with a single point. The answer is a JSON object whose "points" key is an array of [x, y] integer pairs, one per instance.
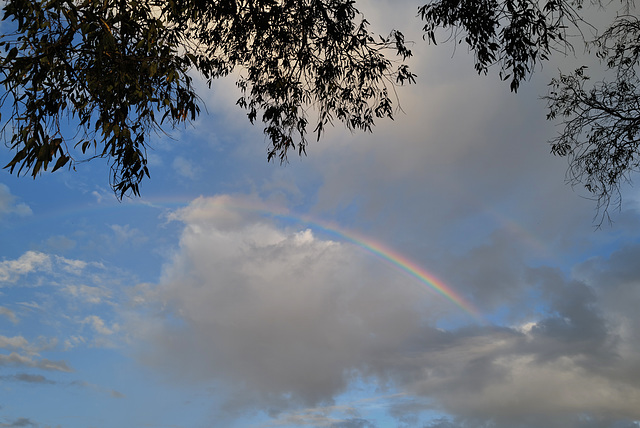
{"points": [[436, 273]]}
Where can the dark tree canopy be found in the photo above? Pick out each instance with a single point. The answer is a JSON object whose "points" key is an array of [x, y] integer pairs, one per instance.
{"points": [[600, 121], [600, 134], [117, 70], [514, 34]]}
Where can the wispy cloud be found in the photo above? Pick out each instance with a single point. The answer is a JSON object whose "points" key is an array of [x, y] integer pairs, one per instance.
{"points": [[28, 378], [110, 392], [185, 168], [31, 261], [100, 326], [16, 342], [8, 313], [8, 204], [20, 422], [126, 233], [87, 293], [16, 360]]}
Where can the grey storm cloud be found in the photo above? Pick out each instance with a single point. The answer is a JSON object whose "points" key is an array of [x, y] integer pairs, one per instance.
{"points": [[284, 318]]}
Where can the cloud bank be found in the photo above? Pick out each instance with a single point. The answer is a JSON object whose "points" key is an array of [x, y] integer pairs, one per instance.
{"points": [[282, 318]]}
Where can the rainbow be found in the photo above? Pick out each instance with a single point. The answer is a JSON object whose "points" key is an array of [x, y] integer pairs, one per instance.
{"points": [[393, 257], [381, 251], [397, 260], [412, 268]]}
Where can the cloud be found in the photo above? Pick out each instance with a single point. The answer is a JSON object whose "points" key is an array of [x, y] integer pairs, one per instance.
{"points": [[615, 281], [319, 418], [116, 394], [9, 314], [342, 415], [492, 273], [16, 360], [42, 380], [353, 423], [70, 265], [285, 312], [28, 378], [37, 269], [128, 234], [11, 270], [282, 318], [36, 261], [489, 378], [185, 168], [22, 344], [8, 204], [568, 363], [16, 342], [99, 325], [25, 377], [20, 422], [110, 392], [60, 243], [89, 294], [73, 342]]}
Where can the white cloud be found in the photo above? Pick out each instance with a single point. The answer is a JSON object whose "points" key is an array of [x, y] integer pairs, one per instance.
{"points": [[31, 305], [98, 195], [284, 318], [8, 205], [71, 266], [274, 312], [94, 295], [16, 360], [11, 270], [21, 344], [100, 326], [55, 267], [16, 342], [342, 415], [73, 342]]}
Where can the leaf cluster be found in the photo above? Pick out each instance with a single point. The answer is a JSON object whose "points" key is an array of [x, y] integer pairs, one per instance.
{"points": [[514, 34], [118, 70], [107, 66], [601, 121]]}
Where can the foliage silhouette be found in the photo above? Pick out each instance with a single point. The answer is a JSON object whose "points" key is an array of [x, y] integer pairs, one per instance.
{"points": [[600, 122], [119, 69]]}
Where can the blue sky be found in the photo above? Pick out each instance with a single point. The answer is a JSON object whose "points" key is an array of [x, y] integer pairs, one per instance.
{"points": [[192, 306]]}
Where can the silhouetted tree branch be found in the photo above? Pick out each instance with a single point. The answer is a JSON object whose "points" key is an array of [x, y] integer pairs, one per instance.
{"points": [[116, 70], [600, 121]]}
